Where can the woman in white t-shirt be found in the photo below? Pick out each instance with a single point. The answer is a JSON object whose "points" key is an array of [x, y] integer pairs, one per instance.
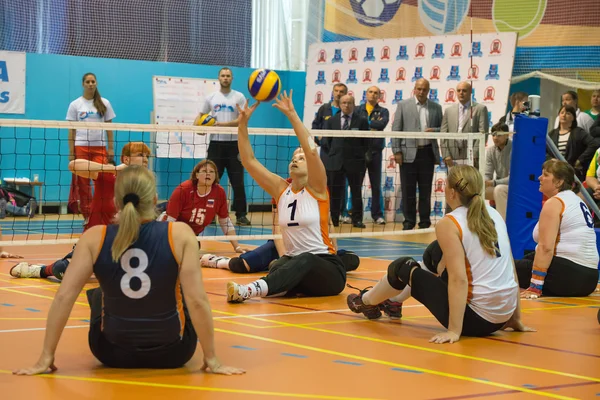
{"points": [[565, 262], [477, 293], [89, 144]]}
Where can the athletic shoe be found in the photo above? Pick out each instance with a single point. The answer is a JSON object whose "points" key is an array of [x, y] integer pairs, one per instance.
{"points": [[26, 270], [380, 221], [356, 305], [242, 221], [392, 309], [3, 204], [31, 208], [210, 260], [234, 294]]}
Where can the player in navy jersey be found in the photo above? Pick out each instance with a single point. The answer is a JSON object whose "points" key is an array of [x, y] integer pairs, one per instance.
{"points": [[145, 268], [309, 265], [199, 199], [102, 211]]}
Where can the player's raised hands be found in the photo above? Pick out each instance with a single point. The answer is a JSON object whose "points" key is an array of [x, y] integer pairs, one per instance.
{"points": [[246, 112], [284, 103]]}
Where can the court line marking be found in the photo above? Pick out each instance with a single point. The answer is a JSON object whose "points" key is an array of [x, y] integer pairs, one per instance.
{"points": [[395, 365], [41, 329], [398, 344], [304, 347], [197, 388], [429, 350], [23, 287]]}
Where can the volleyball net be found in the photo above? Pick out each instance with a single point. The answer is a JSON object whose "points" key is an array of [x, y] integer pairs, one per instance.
{"points": [[35, 162]]}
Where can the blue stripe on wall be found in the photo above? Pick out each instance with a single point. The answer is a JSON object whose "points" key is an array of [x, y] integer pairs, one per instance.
{"points": [[53, 81]]}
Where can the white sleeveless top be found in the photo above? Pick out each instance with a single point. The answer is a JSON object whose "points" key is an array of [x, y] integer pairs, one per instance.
{"points": [[576, 240], [493, 289], [304, 223]]}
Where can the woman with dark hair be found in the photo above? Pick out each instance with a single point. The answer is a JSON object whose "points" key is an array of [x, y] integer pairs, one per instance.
{"points": [[565, 262], [199, 199], [89, 144], [570, 98], [574, 143]]}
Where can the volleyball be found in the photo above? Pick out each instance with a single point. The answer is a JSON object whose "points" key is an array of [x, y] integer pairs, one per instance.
{"points": [[264, 84], [443, 16], [206, 120]]}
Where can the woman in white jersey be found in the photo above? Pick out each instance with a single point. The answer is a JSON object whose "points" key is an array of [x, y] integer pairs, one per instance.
{"points": [[88, 144], [480, 294], [565, 262], [310, 265]]}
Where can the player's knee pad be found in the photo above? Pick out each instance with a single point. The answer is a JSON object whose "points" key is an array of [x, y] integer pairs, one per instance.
{"points": [[237, 265], [399, 272], [432, 256], [350, 260], [59, 268]]}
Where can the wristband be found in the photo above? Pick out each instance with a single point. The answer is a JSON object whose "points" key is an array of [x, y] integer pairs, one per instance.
{"points": [[538, 276], [237, 247]]}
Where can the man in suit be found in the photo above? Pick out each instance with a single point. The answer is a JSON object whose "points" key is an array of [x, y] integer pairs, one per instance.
{"points": [[330, 109], [463, 117], [378, 118], [417, 157], [346, 159]]}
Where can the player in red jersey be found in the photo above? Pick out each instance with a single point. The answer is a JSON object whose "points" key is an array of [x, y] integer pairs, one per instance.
{"points": [[199, 199], [102, 210]]}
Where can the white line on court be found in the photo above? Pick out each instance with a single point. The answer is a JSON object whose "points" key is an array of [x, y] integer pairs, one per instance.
{"points": [[41, 329], [25, 287], [298, 313]]}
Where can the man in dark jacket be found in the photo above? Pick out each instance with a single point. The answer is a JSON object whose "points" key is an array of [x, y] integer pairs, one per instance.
{"points": [[378, 118], [346, 159]]}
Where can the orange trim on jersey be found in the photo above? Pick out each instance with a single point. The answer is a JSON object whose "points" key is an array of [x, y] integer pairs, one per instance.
{"points": [[469, 280], [102, 237], [172, 243], [280, 194], [559, 223], [457, 225], [179, 303], [323, 220]]}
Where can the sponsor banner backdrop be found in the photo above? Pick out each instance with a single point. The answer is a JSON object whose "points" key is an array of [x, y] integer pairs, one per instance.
{"points": [[394, 65], [12, 82]]}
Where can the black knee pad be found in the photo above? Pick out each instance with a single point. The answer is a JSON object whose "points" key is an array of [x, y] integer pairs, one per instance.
{"points": [[350, 260], [432, 256], [59, 268], [399, 272], [236, 265]]}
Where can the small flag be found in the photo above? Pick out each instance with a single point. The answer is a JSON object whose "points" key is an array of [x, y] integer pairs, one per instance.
{"points": [[210, 203]]}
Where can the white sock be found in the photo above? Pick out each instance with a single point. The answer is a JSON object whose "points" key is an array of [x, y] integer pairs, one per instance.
{"points": [[381, 292], [403, 296], [257, 288], [223, 263]]}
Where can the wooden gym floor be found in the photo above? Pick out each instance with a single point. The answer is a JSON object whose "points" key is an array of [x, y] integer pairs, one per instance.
{"points": [[311, 348]]}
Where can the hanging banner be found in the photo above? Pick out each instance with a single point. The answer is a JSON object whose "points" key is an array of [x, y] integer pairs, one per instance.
{"points": [[12, 82]]}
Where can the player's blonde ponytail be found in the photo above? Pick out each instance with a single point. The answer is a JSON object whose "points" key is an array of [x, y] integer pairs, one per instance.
{"points": [[135, 197], [468, 183]]}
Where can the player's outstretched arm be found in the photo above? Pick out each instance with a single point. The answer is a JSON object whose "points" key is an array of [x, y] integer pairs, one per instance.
{"points": [[91, 169], [317, 178], [458, 286], [186, 249], [270, 182], [80, 270]]}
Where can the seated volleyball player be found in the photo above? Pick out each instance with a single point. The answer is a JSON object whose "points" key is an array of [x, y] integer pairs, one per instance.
{"points": [[259, 259], [197, 201], [565, 262], [102, 210], [310, 265], [145, 268], [480, 295]]}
